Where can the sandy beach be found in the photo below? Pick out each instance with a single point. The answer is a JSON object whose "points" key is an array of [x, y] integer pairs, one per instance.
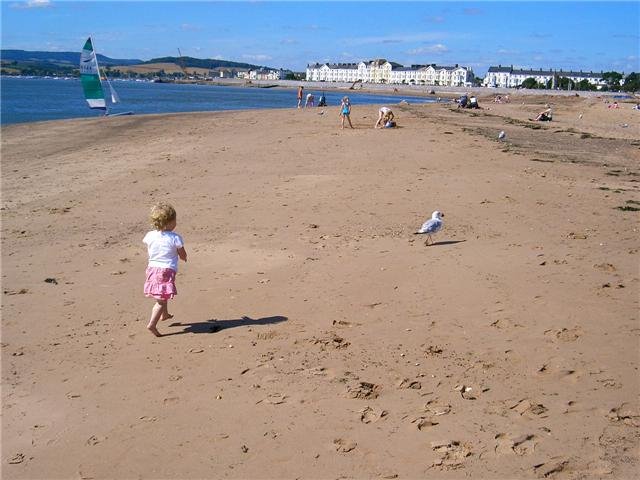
{"points": [[315, 336]]}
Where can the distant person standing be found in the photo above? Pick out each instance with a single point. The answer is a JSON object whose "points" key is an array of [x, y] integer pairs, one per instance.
{"points": [[300, 89], [345, 111]]}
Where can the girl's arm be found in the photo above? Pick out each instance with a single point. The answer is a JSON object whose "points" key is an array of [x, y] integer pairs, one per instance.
{"points": [[182, 253]]}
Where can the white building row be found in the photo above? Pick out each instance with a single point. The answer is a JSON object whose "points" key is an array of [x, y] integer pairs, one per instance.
{"points": [[513, 77], [383, 71], [262, 74]]}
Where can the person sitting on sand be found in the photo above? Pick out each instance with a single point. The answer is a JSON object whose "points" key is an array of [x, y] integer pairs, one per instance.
{"points": [[473, 102], [164, 246], [384, 115], [462, 101], [345, 111], [614, 105], [322, 101], [545, 115]]}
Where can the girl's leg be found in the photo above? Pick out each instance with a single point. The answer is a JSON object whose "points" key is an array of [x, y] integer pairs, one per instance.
{"points": [[156, 313], [349, 118], [165, 312], [342, 121]]}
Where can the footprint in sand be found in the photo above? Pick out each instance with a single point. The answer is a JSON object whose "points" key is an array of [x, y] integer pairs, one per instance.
{"points": [[528, 408], [553, 466], [331, 340], [453, 454], [424, 423], [344, 446], [407, 383], [364, 390], [623, 413], [520, 444], [565, 334], [371, 415]]}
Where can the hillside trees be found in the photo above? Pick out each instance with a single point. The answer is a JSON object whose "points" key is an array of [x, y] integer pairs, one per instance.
{"points": [[632, 82]]}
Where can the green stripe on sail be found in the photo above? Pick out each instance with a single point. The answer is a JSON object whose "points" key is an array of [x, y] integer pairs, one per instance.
{"points": [[90, 77], [93, 92], [91, 86]]}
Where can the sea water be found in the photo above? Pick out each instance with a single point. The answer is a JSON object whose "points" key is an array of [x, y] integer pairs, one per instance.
{"points": [[37, 99]]}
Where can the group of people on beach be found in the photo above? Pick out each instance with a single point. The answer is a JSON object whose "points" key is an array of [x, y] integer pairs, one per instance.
{"points": [[385, 115], [310, 99], [468, 101]]}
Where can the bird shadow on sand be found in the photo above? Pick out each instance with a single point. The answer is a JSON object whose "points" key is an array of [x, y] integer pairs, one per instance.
{"points": [[446, 242], [213, 325]]}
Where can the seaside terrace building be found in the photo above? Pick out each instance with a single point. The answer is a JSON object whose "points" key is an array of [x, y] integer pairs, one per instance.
{"points": [[263, 74], [384, 71], [509, 77]]}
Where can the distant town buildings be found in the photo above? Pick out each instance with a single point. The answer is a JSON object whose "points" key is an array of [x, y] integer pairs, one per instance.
{"points": [[263, 74], [513, 77], [384, 71]]}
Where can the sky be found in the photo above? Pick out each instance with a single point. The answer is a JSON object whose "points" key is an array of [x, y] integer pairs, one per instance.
{"points": [[587, 35]]}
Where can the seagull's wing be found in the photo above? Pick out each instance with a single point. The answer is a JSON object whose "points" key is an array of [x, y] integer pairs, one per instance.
{"points": [[430, 226]]}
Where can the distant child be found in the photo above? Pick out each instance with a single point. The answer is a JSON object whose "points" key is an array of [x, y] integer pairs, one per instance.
{"points": [[310, 100], [345, 111], [384, 115], [164, 247]]}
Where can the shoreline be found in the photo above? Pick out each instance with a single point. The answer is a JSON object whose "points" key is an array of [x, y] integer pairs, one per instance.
{"points": [[416, 90]]}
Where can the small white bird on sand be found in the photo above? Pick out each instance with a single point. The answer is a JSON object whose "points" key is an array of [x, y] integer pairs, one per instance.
{"points": [[501, 135], [431, 226]]}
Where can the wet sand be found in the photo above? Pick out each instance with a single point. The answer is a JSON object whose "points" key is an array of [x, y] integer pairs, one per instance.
{"points": [[315, 336]]}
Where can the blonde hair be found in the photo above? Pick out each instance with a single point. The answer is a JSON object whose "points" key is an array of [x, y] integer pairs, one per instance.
{"points": [[161, 215]]}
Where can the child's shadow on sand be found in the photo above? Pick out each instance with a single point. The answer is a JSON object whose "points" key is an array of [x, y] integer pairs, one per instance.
{"points": [[213, 326]]}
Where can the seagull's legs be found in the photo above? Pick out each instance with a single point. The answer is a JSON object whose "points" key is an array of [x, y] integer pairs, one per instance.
{"points": [[427, 242]]}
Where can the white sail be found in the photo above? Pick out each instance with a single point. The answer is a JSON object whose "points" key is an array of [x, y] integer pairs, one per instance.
{"points": [[114, 95]]}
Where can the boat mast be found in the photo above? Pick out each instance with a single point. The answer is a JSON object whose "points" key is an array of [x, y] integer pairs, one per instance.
{"points": [[95, 56]]}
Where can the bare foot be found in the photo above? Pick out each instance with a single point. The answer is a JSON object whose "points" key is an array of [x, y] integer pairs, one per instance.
{"points": [[155, 331], [166, 317]]}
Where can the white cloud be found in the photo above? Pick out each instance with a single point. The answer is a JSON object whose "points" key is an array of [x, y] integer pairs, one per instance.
{"points": [[33, 4], [256, 57], [437, 48]]}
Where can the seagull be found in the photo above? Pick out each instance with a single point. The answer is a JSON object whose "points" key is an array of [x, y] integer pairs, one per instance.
{"points": [[431, 226], [501, 135]]}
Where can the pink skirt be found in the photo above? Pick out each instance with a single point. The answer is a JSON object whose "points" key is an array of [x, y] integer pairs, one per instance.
{"points": [[160, 283]]}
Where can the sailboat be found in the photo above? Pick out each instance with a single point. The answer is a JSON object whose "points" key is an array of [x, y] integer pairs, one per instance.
{"points": [[91, 82]]}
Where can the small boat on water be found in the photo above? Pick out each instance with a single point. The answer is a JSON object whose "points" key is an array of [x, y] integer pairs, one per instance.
{"points": [[92, 84]]}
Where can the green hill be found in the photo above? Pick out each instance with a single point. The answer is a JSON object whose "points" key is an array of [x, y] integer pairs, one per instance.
{"points": [[202, 63]]}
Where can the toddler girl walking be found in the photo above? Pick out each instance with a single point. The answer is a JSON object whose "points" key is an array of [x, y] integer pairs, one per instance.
{"points": [[164, 247]]}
